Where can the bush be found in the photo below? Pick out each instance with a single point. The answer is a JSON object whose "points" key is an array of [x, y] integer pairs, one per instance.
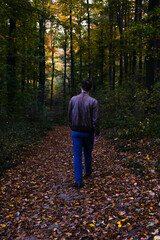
{"points": [[18, 137], [130, 111]]}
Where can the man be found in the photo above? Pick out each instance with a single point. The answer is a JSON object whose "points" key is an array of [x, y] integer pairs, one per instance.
{"points": [[83, 120]]}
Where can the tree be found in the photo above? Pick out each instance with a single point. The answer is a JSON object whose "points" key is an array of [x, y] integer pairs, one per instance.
{"points": [[11, 66], [89, 42], [72, 50], [111, 60], [151, 59]]}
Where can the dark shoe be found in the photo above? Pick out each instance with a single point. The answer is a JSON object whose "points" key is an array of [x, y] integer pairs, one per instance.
{"points": [[79, 185], [87, 176]]}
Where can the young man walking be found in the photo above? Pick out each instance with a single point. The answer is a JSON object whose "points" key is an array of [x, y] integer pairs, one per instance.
{"points": [[83, 120]]}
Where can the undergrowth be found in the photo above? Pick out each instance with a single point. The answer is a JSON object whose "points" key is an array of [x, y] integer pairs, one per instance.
{"points": [[18, 137]]}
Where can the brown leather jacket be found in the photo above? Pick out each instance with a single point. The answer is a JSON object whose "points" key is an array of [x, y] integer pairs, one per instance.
{"points": [[83, 114]]}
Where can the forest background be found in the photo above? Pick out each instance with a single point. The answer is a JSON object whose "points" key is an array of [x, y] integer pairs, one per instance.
{"points": [[48, 47]]}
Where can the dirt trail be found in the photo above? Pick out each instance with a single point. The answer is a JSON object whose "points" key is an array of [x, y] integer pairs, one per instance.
{"points": [[38, 200]]}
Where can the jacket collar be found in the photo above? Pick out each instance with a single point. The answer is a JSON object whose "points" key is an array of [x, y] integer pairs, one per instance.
{"points": [[84, 92]]}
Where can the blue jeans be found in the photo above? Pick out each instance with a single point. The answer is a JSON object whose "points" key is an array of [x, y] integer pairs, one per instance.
{"points": [[82, 142]]}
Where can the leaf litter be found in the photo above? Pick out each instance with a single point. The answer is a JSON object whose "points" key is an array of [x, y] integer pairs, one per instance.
{"points": [[38, 200]]}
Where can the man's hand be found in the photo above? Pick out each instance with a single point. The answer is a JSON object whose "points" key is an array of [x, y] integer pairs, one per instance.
{"points": [[96, 139]]}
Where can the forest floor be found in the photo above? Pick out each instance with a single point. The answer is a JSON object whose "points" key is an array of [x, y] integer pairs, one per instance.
{"points": [[119, 201]]}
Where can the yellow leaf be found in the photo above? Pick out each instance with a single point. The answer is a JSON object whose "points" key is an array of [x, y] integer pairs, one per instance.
{"points": [[119, 224], [124, 219], [43, 217], [92, 225], [3, 225]]}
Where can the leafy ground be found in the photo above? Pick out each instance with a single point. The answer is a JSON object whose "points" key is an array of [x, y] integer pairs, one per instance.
{"points": [[119, 201], [16, 138]]}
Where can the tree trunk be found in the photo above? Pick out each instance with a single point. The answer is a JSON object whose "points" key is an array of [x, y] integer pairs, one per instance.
{"points": [[35, 71], [89, 39], [53, 68], [41, 61], [23, 72], [120, 25], [80, 51], [151, 61], [134, 52], [72, 53], [121, 70], [11, 67], [65, 73], [101, 48], [113, 75], [140, 57], [125, 53], [110, 47]]}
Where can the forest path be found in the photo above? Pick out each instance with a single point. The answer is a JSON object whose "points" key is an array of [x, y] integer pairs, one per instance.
{"points": [[38, 200]]}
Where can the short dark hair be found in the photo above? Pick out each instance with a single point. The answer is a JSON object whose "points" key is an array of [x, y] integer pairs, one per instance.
{"points": [[86, 85]]}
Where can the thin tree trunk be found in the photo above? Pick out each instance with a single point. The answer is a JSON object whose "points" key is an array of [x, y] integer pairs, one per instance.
{"points": [[114, 74], [72, 53], [121, 70], [102, 62], [35, 72], [93, 76], [110, 64], [41, 61], [65, 73], [80, 51], [120, 25], [110, 47], [11, 67], [125, 53], [134, 52], [23, 73], [140, 57], [89, 39], [150, 63], [53, 69]]}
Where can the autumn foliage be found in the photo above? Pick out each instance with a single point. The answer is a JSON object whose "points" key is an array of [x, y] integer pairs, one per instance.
{"points": [[119, 201]]}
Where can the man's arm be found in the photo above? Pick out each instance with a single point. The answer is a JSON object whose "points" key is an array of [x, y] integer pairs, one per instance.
{"points": [[95, 118]]}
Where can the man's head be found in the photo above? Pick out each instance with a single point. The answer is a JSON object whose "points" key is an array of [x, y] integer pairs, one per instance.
{"points": [[86, 85]]}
